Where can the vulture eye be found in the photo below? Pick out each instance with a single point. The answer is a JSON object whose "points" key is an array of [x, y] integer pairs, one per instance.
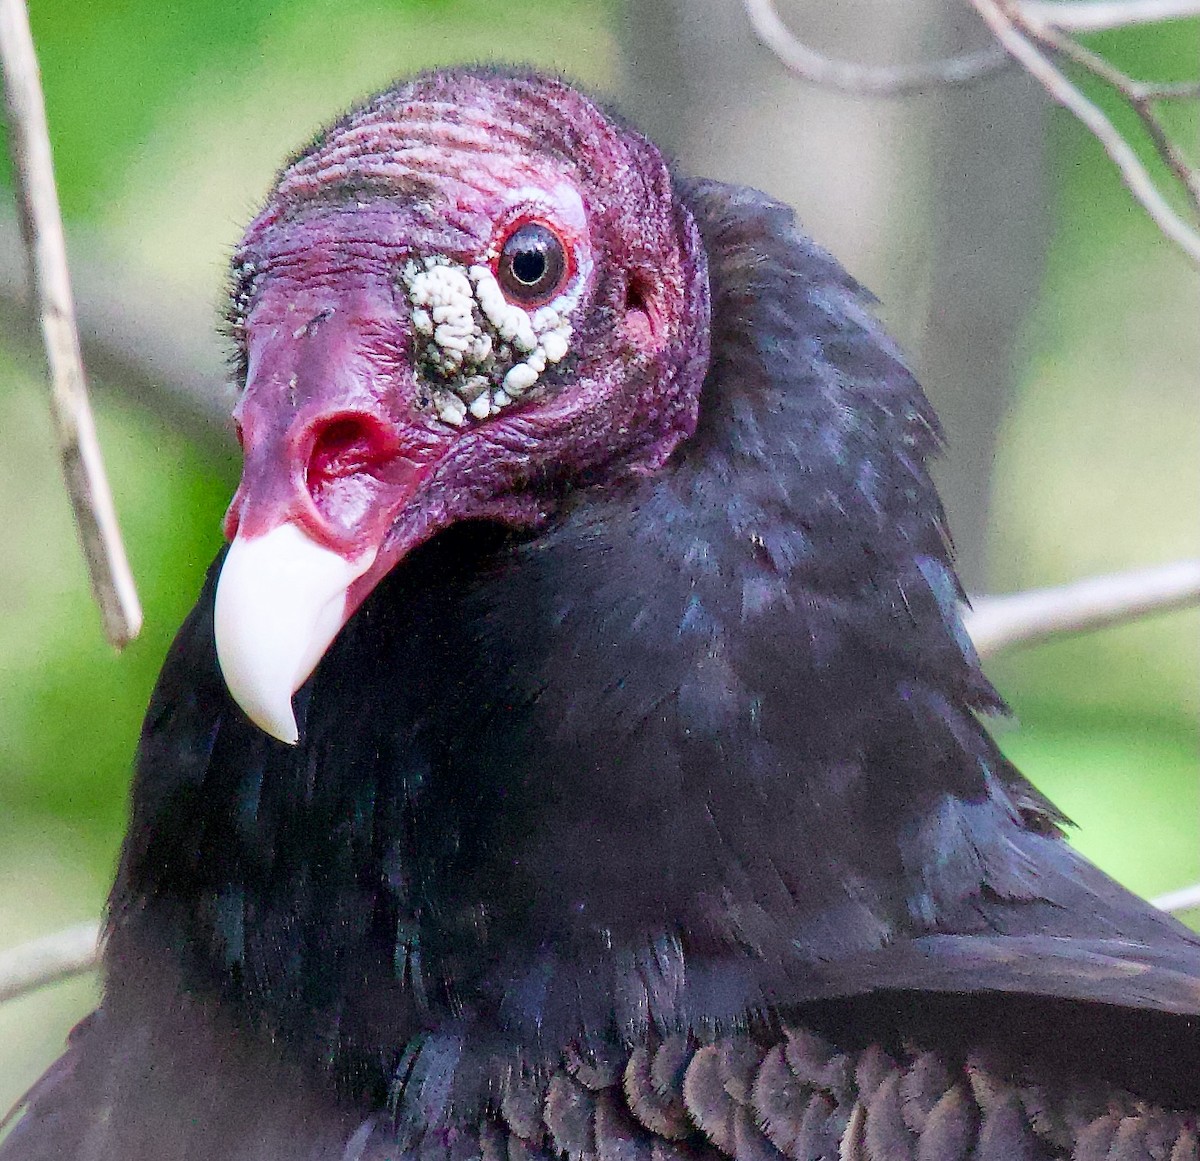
{"points": [[532, 263]]}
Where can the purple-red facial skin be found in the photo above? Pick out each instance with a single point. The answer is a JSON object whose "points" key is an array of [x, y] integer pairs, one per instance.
{"points": [[337, 432]]}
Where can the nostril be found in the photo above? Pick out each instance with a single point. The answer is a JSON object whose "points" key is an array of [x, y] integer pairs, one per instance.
{"points": [[641, 315], [346, 445]]}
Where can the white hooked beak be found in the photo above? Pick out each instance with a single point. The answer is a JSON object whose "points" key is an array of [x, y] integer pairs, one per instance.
{"points": [[281, 600]]}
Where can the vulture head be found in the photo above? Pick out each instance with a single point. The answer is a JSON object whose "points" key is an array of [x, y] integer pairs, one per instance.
{"points": [[460, 301]]}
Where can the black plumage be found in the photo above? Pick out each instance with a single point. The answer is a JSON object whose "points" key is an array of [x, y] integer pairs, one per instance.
{"points": [[660, 825]]}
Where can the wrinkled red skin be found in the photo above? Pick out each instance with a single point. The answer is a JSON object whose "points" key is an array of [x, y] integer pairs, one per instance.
{"points": [[336, 428]]}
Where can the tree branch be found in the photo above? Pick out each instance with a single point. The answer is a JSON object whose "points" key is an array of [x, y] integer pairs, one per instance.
{"points": [[999, 623], [1141, 97], [867, 80], [1104, 15], [1185, 899], [1016, 25], [37, 198], [1001, 18], [47, 960]]}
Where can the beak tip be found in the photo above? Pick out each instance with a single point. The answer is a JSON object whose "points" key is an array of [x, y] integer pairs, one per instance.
{"points": [[266, 702], [280, 601], [278, 722]]}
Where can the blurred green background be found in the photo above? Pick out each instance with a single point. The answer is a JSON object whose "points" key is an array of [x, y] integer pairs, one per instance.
{"points": [[168, 121]]}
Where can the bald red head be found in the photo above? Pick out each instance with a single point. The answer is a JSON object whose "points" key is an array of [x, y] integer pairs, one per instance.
{"points": [[472, 286]]}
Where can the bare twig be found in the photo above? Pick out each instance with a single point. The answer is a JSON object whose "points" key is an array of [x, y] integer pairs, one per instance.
{"points": [[49, 959], [1017, 25], [867, 80], [1000, 19], [999, 623], [1141, 96], [1185, 899], [37, 197], [1074, 16], [1188, 176], [1170, 90], [1103, 15]]}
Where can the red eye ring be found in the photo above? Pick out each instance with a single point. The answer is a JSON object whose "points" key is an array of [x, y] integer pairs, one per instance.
{"points": [[533, 264]]}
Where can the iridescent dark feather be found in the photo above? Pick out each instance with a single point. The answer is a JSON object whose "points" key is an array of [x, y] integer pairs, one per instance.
{"points": [[647, 813]]}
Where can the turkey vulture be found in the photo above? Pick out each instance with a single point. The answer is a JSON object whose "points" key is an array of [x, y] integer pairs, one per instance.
{"points": [[633, 802]]}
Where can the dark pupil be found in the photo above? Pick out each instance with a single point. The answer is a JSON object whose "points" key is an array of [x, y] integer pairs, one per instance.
{"points": [[529, 266], [532, 263]]}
